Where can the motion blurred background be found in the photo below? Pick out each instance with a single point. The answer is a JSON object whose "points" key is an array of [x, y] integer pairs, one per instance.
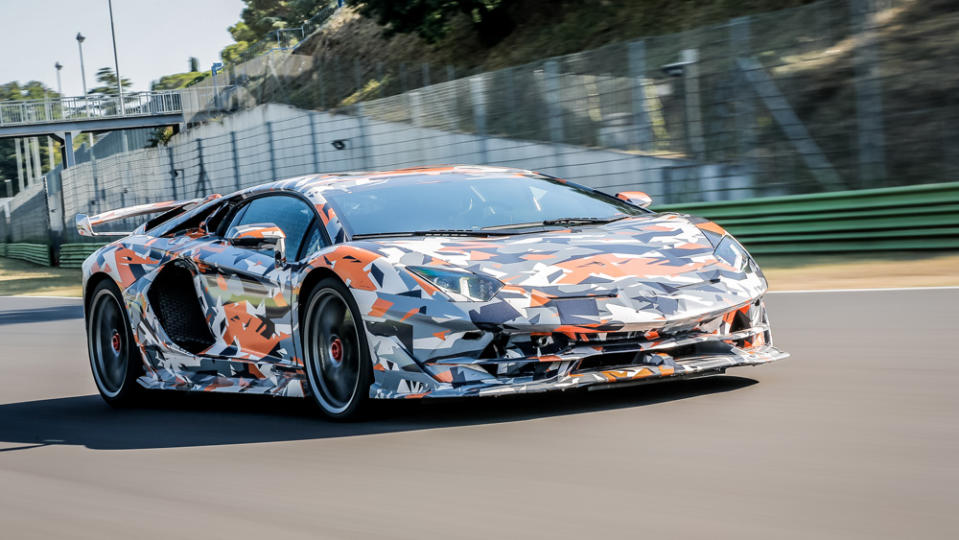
{"points": [[820, 133]]}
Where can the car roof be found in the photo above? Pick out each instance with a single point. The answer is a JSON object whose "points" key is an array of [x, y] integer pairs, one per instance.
{"points": [[319, 182]]}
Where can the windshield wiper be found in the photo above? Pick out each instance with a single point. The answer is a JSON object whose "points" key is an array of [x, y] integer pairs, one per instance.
{"points": [[582, 220], [433, 232], [558, 221]]}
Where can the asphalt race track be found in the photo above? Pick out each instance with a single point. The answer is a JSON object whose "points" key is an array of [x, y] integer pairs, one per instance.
{"points": [[855, 436]]}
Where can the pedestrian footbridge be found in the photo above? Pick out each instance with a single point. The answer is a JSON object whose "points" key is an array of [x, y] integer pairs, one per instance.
{"points": [[64, 118]]}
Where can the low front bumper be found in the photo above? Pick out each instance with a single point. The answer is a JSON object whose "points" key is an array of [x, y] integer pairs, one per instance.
{"points": [[579, 357], [694, 366]]}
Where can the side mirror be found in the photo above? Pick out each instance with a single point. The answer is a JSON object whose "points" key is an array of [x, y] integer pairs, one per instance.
{"points": [[259, 236], [636, 198]]}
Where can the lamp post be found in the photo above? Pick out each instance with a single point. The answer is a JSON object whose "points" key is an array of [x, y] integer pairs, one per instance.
{"points": [[83, 73], [50, 154], [116, 62], [83, 78], [59, 66]]}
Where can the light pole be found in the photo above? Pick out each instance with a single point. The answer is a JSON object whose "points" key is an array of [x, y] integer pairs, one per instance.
{"points": [[83, 73], [50, 154], [116, 63], [83, 78], [59, 66]]}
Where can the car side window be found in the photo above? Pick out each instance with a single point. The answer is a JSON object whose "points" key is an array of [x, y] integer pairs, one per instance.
{"points": [[314, 240], [290, 214]]}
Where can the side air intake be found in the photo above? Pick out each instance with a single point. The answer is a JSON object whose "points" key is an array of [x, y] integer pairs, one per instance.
{"points": [[173, 298]]}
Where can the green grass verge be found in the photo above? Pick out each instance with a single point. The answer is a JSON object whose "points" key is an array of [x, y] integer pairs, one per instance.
{"points": [[19, 278]]}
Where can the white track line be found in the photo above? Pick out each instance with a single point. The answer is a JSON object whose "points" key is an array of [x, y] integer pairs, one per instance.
{"points": [[880, 289]]}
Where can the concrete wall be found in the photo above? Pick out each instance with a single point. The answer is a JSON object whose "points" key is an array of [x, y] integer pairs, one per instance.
{"points": [[277, 141]]}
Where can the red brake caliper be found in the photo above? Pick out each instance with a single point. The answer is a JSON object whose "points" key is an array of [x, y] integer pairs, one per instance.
{"points": [[336, 350]]}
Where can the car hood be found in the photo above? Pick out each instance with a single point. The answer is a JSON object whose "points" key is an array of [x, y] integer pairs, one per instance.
{"points": [[634, 273]]}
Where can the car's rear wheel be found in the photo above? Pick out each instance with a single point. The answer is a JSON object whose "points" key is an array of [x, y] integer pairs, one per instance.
{"points": [[114, 358], [337, 360]]}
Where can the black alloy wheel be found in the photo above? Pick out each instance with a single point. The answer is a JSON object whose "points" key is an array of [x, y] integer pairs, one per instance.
{"points": [[114, 358], [338, 366]]}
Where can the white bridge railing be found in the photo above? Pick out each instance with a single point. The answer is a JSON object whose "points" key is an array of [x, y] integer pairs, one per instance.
{"points": [[38, 111]]}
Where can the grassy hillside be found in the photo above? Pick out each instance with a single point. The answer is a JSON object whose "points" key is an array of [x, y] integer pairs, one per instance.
{"points": [[544, 28], [811, 53]]}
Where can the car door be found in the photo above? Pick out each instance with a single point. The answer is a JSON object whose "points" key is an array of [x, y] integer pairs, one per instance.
{"points": [[248, 290]]}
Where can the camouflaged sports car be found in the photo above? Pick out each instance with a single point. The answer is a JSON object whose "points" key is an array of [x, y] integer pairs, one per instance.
{"points": [[430, 282]]}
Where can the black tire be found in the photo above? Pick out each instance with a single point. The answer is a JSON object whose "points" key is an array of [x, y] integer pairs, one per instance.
{"points": [[114, 357], [336, 354]]}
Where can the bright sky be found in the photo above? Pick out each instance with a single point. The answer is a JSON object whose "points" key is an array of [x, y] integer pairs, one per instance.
{"points": [[154, 38]]}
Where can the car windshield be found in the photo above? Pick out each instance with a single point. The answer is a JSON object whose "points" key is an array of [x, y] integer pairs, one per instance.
{"points": [[470, 204]]}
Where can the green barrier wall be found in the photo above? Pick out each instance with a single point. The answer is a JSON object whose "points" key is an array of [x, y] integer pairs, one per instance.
{"points": [[35, 253], [886, 219], [73, 255]]}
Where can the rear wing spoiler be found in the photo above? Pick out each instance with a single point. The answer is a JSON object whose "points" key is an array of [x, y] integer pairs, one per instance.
{"points": [[85, 224]]}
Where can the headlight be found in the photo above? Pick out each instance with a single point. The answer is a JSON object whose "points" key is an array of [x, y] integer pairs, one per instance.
{"points": [[460, 285], [732, 253]]}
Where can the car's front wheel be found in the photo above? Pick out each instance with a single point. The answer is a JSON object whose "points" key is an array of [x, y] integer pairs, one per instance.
{"points": [[114, 358], [338, 366]]}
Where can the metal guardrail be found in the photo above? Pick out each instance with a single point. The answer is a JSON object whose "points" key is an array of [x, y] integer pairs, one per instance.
{"points": [[885, 219], [38, 111]]}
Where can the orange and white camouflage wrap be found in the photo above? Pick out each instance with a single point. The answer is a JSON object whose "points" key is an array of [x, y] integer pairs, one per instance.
{"points": [[639, 299]]}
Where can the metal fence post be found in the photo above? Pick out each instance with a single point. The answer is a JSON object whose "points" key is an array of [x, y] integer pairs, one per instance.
{"points": [[364, 142], [513, 110], [426, 74], [202, 179], [269, 137], [415, 106], [694, 117], [554, 110], [169, 151], [637, 72], [314, 143], [739, 37], [236, 162], [478, 97], [872, 162]]}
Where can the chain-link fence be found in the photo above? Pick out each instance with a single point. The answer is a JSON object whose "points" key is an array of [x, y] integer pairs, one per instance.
{"points": [[821, 97], [839, 94], [26, 217]]}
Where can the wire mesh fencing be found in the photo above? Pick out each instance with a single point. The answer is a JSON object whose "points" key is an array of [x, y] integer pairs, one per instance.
{"points": [[838, 94]]}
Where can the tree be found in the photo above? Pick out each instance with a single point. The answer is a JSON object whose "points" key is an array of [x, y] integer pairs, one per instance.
{"points": [[261, 17], [108, 82], [178, 80], [194, 64], [430, 18]]}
